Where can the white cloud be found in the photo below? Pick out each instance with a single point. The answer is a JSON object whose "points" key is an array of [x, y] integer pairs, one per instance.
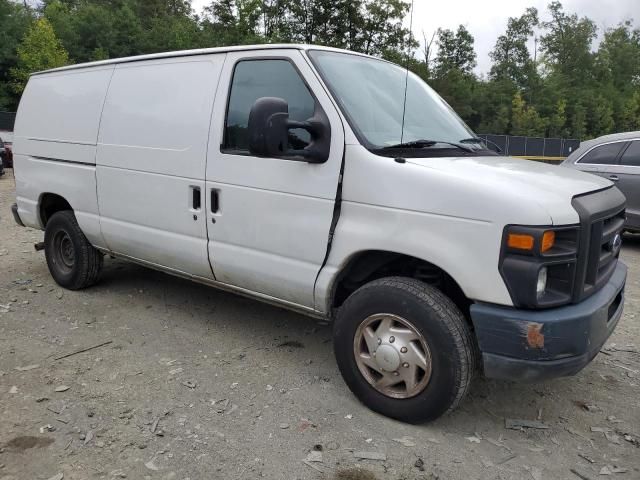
{"points": [[486, 19]]}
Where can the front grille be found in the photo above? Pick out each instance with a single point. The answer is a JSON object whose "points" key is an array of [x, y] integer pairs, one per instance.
{"points": [[602, 218], [604, 249]]}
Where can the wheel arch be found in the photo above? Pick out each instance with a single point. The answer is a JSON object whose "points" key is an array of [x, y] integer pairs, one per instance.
{"points": [[364, 266], [50, 203]]}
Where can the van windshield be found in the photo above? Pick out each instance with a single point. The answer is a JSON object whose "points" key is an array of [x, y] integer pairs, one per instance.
{"points": [[371, 94]]}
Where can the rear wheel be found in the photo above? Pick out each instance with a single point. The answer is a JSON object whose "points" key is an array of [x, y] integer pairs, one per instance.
{"points": [[404, 349], [73, 262]]}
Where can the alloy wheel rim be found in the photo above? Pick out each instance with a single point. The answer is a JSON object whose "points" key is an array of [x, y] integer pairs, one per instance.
{"points": [[392, 355]]}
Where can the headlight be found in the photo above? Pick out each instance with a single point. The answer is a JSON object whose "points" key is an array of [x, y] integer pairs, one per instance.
{"points": [[538, 264]]}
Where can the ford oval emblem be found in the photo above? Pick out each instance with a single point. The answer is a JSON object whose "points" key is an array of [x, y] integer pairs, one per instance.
{"points": [[616, 243]]}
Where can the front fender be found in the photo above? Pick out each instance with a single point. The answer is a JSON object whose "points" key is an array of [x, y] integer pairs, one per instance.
{"points": [[467, 250]]}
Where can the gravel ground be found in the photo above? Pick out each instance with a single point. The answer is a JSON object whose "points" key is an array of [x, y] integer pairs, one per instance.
{"points": [[200, 384]]}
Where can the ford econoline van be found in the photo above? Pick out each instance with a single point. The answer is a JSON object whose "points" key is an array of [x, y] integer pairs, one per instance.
{"points": [[300, 176]]}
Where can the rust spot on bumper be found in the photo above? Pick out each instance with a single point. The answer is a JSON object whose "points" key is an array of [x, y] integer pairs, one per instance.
{"points": [[535, 338]]}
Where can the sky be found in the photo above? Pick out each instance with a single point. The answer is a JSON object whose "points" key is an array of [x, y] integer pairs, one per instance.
{"points": [[486, 19]]}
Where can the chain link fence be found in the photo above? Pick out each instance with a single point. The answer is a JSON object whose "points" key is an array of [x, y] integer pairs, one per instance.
{"points": [[7, 119], [535, 148]]}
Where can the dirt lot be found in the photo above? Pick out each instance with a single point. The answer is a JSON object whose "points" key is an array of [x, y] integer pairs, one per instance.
{"points": [[201, 384]]}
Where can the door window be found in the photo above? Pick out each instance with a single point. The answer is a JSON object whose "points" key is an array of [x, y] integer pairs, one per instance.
{"points": [[254, 79], [604, 154], [632, 156]]}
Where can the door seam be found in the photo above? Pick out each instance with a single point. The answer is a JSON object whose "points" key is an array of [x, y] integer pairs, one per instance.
{"points": [[95, 156], [205, 200]]}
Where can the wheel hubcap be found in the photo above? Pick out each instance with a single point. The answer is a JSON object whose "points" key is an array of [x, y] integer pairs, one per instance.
{"points": [[392, 355], [67, 251], [64, 251], [387, 358]]}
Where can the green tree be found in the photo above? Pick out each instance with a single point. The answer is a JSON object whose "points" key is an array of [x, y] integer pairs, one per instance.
{"points": [[566, 45], [381, 27], [578, 124], [525, 120], [39, 50], [14, 22], [452, 74], [619, 55], [572, 91], [161, 8], [631, 113], [600, 116], [93, 30], [492, 104], [511, 57], [232, 22], [455, 51], [558, 119]]}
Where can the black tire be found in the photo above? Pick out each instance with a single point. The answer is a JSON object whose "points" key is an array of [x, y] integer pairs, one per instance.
{"points": [[443, 326], [73, 262]]}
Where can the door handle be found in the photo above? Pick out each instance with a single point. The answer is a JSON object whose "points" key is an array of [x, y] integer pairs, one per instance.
{"points": [[215, 201], [614, 178], [196, 199]]}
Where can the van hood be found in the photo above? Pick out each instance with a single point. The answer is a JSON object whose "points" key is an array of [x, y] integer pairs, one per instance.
{"points": [[550, 186]]}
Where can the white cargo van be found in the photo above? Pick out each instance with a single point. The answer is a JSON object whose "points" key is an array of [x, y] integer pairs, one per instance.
{"points": [[294, 175]]}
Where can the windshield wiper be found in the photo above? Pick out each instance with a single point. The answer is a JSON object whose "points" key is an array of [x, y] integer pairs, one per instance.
{"points": [[423, 143], [481, 141]]}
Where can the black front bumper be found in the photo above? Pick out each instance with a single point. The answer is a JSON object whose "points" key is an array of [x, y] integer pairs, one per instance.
{"points": [[527, 345]]}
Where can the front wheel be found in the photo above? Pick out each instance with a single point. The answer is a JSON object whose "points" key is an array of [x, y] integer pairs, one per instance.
{"points": [[73, 262], [404, 349]]}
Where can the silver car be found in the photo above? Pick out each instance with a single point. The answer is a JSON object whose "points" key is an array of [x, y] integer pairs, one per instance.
{"points": [[616, 157]]}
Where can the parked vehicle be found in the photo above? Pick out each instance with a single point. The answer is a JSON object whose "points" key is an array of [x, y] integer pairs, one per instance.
{"points": [[8, 158], [3, 153], [295, 175], [617, 158]]}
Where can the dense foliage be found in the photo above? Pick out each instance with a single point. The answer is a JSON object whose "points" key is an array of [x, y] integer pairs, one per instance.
{"points": [[566, 88]]}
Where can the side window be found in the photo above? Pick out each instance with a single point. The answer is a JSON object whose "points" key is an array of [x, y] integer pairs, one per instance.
{"points": [[632, 156], [604, 154], [254, 79]]}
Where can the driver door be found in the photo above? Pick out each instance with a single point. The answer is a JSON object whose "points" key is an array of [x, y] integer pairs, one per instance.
{"points": [[268, 219]]}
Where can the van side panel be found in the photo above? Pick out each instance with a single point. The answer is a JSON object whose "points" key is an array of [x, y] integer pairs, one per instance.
{"points": [[151, 160], [74, 182], [55, 139], [62, 107], [157, 115]]}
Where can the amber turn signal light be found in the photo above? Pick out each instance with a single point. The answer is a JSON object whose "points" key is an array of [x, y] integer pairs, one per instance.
{"points": [[548, 240], [520, 241]]}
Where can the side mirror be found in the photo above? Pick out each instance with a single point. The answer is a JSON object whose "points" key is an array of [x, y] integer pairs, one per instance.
{"points": [[269, 126]]}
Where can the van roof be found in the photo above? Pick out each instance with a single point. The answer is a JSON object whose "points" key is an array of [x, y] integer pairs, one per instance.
{"points": [[198, 51]]}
